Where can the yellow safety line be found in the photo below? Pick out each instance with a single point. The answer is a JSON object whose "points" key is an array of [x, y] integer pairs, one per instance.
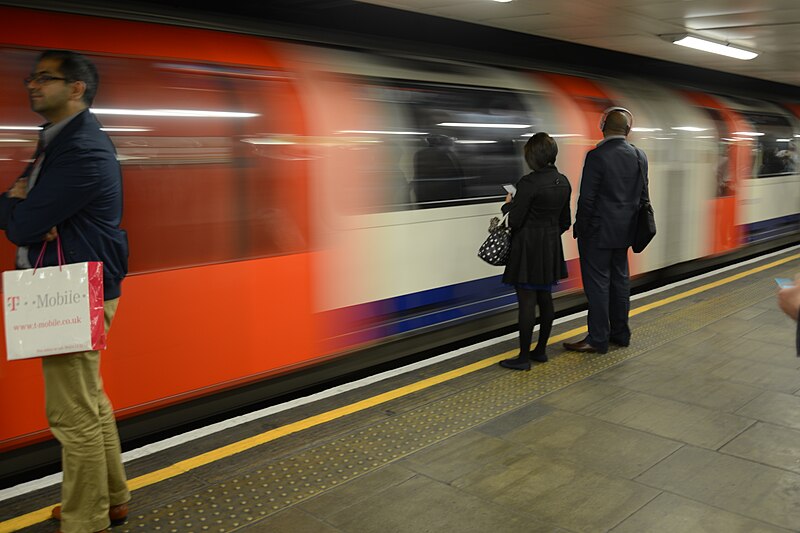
{"points": [[182, 467]]}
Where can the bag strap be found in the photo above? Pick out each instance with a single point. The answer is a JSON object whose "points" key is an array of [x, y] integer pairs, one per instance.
{"points": [[641, 175]]}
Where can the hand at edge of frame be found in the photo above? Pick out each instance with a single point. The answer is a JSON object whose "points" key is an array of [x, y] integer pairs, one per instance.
{"points": [[789, 299]]}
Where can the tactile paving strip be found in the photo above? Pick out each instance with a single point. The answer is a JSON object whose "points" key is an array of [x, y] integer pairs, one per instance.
{"points": [[241, 502]]}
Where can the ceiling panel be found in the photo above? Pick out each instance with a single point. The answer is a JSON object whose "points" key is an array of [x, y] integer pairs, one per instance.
{"points": [[771, 27]]}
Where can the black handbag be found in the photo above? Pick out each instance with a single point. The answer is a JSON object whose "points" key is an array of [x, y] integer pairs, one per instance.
{"points": [[645, 217], [497, 246]]}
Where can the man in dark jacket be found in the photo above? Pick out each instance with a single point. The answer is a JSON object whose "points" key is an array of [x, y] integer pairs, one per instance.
{"points": [[611, 190], [73, 192]]}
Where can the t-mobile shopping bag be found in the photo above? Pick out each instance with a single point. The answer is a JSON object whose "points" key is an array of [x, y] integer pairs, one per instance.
{"points": [[54, 310]]}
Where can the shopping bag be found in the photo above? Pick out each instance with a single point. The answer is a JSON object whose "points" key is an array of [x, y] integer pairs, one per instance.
{"points": [[497, 246], [54, 310]]}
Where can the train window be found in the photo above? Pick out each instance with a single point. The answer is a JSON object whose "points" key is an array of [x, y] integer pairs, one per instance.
{"points": [[200, 185], [450, 145], [774, 147]]}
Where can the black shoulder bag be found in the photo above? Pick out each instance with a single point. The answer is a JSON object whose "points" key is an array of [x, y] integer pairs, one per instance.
{"points": [[645, 217]]}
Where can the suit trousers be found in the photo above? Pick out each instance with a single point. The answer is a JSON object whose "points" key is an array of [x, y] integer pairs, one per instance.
{"points": [[604, 272], [82, 420]]}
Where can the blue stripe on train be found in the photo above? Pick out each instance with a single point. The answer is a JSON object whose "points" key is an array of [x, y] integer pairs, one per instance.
{"points": [[769, 229], [384, 318]]}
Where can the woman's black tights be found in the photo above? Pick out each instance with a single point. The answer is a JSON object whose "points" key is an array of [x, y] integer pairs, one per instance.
{"points": [[528, 300]]}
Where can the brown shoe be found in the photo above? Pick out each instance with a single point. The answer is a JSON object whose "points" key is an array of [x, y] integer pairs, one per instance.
{"points": [[583, 347], [104, 531], [118, 514]]}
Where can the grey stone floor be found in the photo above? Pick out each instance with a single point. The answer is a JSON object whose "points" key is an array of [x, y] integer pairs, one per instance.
{"points": [[697, 432]]}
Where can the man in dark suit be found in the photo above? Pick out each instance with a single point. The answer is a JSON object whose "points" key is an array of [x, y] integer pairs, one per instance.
{"points": [[73, 192], [611, 191]]}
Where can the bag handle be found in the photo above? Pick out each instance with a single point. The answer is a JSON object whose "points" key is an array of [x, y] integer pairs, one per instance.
{"points": [[40, 259]]}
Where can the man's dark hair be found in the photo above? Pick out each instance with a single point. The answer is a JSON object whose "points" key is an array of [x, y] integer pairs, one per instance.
{"points": [[540, 150], [76, 67]]}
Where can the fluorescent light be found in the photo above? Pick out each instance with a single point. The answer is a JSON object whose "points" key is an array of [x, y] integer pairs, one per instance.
{"points": [[476, 142], [502, 1], [30, 128], [16, 140], [125, 130], [269, 141], [648, 130], [379, 132], [192, 113], [559, 135], [748, 133], [688, 128], [715, 48], [482, 125], [783, 140]]}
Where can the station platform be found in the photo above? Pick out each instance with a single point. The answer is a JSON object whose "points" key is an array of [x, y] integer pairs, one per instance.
{"points": [[695, 427]]}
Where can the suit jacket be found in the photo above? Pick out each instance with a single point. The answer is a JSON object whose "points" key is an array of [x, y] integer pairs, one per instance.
{"points": [[79, 191], [538, 215], [610, 194]]}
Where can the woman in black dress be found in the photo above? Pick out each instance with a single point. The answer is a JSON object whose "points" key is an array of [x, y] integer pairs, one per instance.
{"points": [[538, 214]]}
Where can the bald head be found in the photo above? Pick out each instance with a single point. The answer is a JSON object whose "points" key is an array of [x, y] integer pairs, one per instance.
{"points": [[617, 123]]}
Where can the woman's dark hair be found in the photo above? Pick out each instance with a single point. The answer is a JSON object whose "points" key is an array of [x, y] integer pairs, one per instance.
{"points": [[76, 67], [540, 151]]}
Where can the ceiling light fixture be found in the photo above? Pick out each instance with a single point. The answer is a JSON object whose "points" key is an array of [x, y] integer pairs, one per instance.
{"points": [[482, 125], [707, 45]]}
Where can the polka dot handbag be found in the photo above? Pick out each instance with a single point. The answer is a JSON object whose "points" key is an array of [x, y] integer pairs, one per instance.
{"points": [[497, 246]]}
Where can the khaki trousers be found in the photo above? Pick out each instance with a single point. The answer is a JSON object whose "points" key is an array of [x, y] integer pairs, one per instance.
{"points": [[82, 420]]}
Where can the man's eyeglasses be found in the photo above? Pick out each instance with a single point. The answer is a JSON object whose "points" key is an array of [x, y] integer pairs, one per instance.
{"points": [[41, 79]]}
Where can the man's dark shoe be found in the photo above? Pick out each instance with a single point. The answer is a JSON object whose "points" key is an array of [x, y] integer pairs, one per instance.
{"points": [[118, 514], [619, 342], [517, 363], [582, 347]]}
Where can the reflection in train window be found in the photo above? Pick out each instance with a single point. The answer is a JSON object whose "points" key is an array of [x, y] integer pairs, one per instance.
{"points": [[774, 148], [444, 145], [196, 191]]}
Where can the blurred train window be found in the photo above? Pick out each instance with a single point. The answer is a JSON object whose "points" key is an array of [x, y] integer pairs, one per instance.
{"points": [[774, 150], [205, 180], [205, 174], [443, 145]]}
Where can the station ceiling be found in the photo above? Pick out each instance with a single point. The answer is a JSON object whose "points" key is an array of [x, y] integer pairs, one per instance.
{"points": [[770, 27]]}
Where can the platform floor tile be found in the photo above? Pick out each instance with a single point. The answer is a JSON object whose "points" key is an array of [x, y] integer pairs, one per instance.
{"points": [[768, 444], [757, 491], [562, 493], [670, 514]]}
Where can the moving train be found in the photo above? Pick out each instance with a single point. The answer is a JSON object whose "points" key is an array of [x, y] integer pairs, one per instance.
{"points": [[281, 216]]}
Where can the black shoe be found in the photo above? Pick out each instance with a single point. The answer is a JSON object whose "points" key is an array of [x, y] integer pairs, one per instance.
{"points": [[517, 363], [618, 342], [538, 357]]}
